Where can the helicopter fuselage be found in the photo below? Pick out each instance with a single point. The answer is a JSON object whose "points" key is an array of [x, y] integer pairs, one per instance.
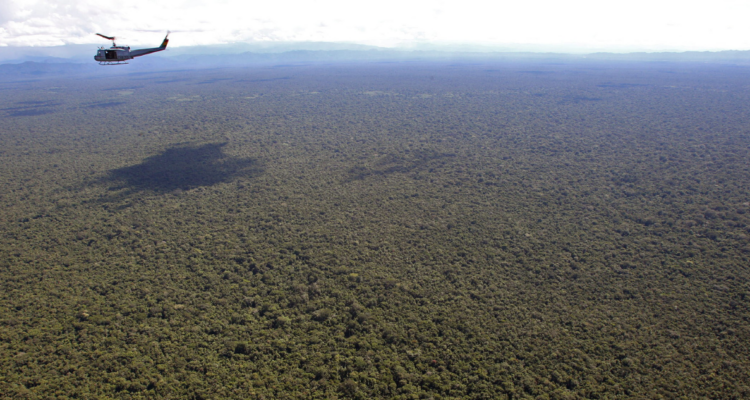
{"points": [[120, 54], [113, 54]]}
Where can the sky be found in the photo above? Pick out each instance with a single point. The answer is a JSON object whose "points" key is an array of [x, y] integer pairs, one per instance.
{"points": [[566, 26]]}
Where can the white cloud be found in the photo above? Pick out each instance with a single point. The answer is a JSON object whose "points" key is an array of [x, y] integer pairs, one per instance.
{"points": [[635, 24]]}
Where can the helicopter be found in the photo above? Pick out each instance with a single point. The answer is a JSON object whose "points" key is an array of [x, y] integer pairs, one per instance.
{"points": [[117, 55]]}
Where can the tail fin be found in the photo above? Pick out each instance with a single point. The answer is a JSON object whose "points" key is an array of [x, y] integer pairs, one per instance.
{"points": [[165, 42]]}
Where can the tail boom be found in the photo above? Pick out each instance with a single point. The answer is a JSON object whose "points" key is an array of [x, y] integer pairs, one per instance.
{"points": [[143, 52]]}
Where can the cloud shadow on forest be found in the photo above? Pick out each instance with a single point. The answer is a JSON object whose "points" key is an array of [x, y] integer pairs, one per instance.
{"points": [[183, 167], [265, 79], [32, 108], [579, 99], [212, 81], [106, 105], [615, 85], [124, 88], [388, 164], [165, 81]]}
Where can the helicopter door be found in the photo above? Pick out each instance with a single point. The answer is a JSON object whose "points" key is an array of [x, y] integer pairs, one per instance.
{"points": [[110, 54]]}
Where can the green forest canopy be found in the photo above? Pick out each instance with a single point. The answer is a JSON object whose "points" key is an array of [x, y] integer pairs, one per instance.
{"points": [[487, 231]]}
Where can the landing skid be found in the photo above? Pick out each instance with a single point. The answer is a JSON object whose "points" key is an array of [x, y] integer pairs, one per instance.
{"points": [[112, 63]]}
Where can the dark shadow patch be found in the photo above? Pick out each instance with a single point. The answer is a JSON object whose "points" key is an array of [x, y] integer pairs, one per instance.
{"points": [[106, 105], [171, 81], [22, 105], [414, 161], [215, 80], [124, 88], [32, 108], [624, 177], [580, 99], [163, 73], [32, 112], [183, 167], [265, 80], [620, 85], [36, 103]]}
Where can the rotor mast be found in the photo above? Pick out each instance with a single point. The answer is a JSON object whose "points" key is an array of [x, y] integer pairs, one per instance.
{"points": [[112, 38]]}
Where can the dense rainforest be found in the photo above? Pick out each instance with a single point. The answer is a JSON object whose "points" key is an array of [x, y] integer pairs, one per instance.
{"points": [[484, 230]]}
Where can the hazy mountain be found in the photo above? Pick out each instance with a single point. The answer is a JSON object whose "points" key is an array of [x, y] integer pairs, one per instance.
{"points": [[319, 51], [22, 63]]}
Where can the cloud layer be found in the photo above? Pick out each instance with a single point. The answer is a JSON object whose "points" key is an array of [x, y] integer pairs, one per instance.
{"points": [[631, 25]]}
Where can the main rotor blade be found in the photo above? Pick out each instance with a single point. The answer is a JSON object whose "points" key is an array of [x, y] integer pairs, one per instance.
{"points": [[106, 37]]}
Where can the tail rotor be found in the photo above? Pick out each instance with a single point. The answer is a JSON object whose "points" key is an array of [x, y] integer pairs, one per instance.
{"points": [[165, 42]]}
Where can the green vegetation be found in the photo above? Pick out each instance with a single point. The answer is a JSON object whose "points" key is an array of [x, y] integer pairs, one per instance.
{"points": [[501, 231]]}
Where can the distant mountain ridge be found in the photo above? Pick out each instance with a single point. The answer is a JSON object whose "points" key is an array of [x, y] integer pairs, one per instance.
{"points": [[227, 56], [83, 53]]}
